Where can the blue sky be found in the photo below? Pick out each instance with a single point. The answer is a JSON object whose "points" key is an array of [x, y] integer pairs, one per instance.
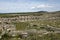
{"points": [[29, 5]]}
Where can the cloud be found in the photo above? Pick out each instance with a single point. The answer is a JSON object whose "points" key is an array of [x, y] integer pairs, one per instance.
{"points": [[22, 6], [41, 6], [14, 7]]}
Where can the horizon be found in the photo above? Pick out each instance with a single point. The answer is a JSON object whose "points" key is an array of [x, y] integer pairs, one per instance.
{"points": [[30, 12], [14, 6]]}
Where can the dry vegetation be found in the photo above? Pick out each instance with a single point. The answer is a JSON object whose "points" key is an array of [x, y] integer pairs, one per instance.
{"points": [[48, 19]]}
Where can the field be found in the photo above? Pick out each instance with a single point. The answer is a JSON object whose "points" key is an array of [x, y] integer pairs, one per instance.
{"points": [[38, 25]]}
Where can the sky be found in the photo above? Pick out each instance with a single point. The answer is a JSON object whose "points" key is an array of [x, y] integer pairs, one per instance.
{"points": [[7, 6]]}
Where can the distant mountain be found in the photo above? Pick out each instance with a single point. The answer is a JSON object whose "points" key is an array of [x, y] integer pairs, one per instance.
{"points": [[42, 11], [48, 12], [32, 12]]}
